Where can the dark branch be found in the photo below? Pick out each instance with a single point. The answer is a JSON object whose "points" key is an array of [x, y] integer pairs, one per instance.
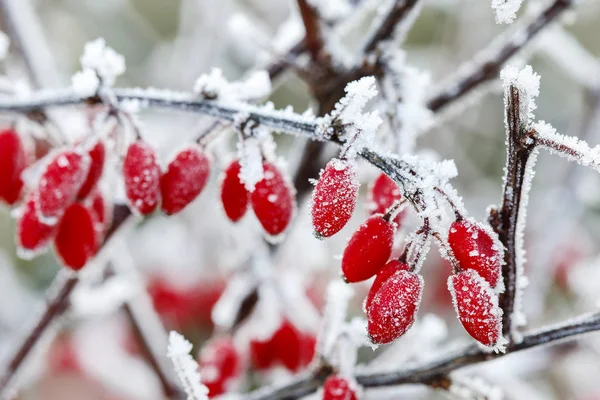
{"points": [[487, 64], [313, 38], [388, 24]]}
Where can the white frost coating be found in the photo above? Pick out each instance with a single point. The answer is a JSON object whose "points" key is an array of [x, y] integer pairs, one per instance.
{"points": [[528, 84], [360, 128], [336, 306], [186, 368], [474, 387], [238, 287], [4, 44], [568, 147], [506, 10], [331, 10], [250, 156], [103, 60], [256, 85], [105, 299], [85, 83]]}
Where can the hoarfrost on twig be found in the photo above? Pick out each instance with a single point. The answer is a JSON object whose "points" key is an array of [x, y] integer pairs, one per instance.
{"points": [[186, 368]]}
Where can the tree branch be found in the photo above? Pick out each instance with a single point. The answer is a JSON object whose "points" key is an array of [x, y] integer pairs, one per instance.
{"points": [[386, 28], [313, 39], [486, 65]]}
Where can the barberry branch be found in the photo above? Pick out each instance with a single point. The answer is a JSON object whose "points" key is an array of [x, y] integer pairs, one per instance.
{"points": [[387, 26], [486, 65], [313, 38]]}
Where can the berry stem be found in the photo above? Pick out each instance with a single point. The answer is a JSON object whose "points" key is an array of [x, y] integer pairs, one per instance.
{"points": [[393, 210]]}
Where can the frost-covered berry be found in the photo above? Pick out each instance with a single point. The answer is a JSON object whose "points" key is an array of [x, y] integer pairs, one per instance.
{"points": [[383, 193], [338, 388], [184, 179], [476, 304], [101, 211], [97, 154], [220, 363], [386, 272], [13, 160], [60, 183], [32, 234], [273, 200], [368, 249], [394, 308], [474, 248], [263, 354], [77, 238], [334, 197], [234, 196], [142, 177]]}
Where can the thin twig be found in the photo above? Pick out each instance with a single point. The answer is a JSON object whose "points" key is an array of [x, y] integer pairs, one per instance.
{"points": [[388, 24], [313, 38], [486, 65]]}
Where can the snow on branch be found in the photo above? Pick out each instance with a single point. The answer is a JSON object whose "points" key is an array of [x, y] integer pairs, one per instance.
{"points": [[213, 85], [100, 64], [568, 147], [186, 368], [527, 83], [506, 10]]}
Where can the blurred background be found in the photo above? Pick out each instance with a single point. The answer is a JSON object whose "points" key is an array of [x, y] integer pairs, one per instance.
{"points": [[187, 260]]}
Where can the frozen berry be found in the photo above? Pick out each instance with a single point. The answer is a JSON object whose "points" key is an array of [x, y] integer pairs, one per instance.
{"points": [[220, 363], [295, 349], [32, 234], [394, 308], [13, 161], [334, 197], [383, 193], [368, 249], [142, 177], [273, 200], [477, 307], [184, 179], [474, 248], [60, 183], [234, 195], [338, 388], [263, 354], [97, 154], [77, 238], [386, 272]]}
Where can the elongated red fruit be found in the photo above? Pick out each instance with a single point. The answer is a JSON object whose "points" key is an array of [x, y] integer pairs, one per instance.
{"points": [[220, 363], [476, 304], [295, 349], [13, 161], [334, 197], [142, 177], [386, 272], [368, 249], [394, 307], [101, 211], [474, 248], [273, 200], [234, 195], [77, 238], [184, 179], [383, 194], [338, 388], [60, 182], [97, 154], [32, 234]]}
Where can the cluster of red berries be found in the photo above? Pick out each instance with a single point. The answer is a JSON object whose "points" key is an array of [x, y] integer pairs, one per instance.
{"points": [[394, 297], [273, 198], [338, 388], [220, 365], [64, 205]]}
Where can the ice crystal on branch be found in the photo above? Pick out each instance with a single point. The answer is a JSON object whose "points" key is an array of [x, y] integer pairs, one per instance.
{"points": [[186, 368], [214, 86], [506, 10], [107, 63], [527, 83]]}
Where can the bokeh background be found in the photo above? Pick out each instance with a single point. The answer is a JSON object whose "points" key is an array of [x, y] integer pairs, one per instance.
{"points": [[186, 260]]}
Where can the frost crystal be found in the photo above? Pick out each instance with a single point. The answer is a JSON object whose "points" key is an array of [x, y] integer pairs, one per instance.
{"points": [[506, 10], [103, 60], [186, 368], [251, 163], [213, 85], [85, 83], [528, 84], [332, 10]]}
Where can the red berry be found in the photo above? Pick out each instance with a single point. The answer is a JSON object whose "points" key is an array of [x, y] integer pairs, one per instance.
{"points": [[184, 179], [263, 354], [77, 239], [474, 248], [13, 160], [386, 272], [394, 307], [32, 234], [295, 349], [97, 154], [338, 388], [101, 211], [334, 197], [476, 304], [368, 249], [220, 362], [273, 200], [60, 182], [142, 177], [383, 194], [234, 195]]}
